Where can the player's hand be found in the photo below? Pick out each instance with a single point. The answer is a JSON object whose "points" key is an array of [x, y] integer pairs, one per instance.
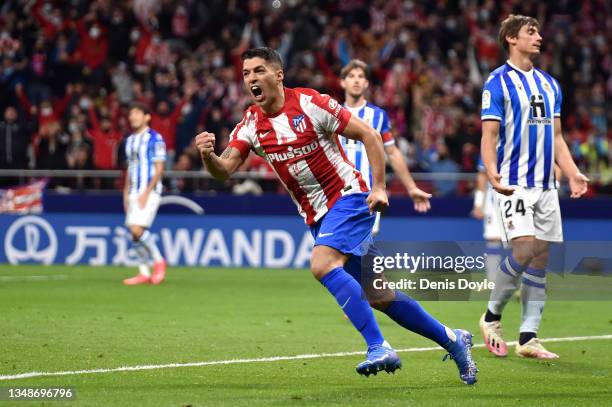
{"points": [[420, 199], [142, 200], [578, 185], [125, 204], [495, 180], [205, 143], [477, 213], [377, 200]]}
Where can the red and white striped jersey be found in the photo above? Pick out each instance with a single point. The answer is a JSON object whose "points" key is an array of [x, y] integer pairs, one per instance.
{"points": [[300, 143]]}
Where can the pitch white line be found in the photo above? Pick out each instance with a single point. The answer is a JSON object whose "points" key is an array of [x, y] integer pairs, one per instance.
{"points": [[260, 360], [20, 279]]}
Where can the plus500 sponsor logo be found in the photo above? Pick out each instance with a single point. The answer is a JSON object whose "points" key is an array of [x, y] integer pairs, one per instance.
{"points": [[294, 152]]}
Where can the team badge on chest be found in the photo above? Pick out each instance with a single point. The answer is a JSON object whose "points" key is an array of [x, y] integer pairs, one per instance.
{"points": [[299, 123]]}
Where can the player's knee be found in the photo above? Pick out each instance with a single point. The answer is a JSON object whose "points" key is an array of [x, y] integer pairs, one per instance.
{"points": [[379, 304], [540, 260], [320, 266], [320, 269], [136, 232], [523, 251], [379, 298], [324, 260]]}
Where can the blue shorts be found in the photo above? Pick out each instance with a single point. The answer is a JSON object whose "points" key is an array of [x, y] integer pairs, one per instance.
{"points": [[347, 227]]}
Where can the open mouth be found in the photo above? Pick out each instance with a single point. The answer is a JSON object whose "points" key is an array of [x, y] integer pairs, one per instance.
{"points": [[256, 91]]}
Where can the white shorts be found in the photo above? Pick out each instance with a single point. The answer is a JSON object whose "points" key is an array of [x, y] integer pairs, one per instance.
{"points": [[376, 227], [490, 220], [137, 216], [530, 212]]}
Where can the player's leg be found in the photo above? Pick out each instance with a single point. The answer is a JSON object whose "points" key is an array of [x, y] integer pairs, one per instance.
{"points": [[516, 221], [159, 263], [492, 235], [401, 308], [409, 314], [144, 273], [533, 298], [132, 219], [327, 265], [495, 254], [533, 290], [508, 276], [148, 240], [139, 220], [346, 230]]}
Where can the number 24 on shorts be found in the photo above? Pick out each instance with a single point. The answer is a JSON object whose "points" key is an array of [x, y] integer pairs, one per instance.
{"points": [[519, 208]]}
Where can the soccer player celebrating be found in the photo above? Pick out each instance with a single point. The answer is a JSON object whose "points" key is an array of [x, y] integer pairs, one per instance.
{"points": [[355, 83], [521, 142], [145, 152], [294, 130]]}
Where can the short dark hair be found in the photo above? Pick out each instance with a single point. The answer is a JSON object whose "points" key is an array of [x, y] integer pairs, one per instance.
{"points": [[265, 53], [143, 107], [511, 26]]}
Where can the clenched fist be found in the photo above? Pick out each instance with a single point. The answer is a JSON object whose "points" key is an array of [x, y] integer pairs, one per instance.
{"points": [[205, 143], [377, 200]]}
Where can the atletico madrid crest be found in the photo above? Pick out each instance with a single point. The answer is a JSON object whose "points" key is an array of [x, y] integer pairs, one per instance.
{"points": [[299, 123]]}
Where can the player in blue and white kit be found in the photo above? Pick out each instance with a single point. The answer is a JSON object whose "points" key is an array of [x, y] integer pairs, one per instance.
{"points": [[355, 84], [521, 142], [145, 152], [485, 209]]}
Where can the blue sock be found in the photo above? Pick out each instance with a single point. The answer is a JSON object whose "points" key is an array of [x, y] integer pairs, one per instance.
{"points": [[408, 313], [348, 294]]}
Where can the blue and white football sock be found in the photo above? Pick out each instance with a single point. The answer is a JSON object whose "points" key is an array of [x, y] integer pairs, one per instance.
{"points": [[148, 241], [143, 258], [409, 314], [494, 257], [533, 297], [349, 296], [507, 280]]}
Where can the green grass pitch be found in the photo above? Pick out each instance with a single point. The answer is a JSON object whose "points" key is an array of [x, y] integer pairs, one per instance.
{"points": [[80, 318]]}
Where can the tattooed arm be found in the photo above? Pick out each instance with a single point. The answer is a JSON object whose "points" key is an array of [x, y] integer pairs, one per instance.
{"points": [[220, 167]]}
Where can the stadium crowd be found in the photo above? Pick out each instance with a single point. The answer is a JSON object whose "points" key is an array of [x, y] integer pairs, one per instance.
{"points": [[69, 69]]}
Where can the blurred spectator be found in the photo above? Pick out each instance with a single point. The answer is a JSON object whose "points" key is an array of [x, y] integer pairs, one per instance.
{"points": [[14, 143], [183, 163], [105, 138], [442, 163], [182, 58], [165, 122], [48, 111], [78, 157], [52, 146]]}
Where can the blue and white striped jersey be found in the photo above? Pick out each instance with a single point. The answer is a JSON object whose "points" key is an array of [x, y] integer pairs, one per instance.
{"points": [[355, 150], [142, 150], [525, 104]]}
